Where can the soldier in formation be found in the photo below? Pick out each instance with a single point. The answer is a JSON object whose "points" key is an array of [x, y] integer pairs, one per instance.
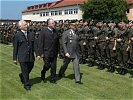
{"points": [[106, 45]]}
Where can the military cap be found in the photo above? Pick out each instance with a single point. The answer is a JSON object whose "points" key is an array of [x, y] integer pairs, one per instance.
{"points": [[73, 24], [61, 21], [66, 20]]}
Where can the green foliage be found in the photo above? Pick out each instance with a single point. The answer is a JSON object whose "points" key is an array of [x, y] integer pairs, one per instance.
{"points": [[105, 10], [97, 84]]}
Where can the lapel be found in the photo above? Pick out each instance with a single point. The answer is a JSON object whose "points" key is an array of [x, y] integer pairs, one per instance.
{"points": [[51, 34], [23, 35]]}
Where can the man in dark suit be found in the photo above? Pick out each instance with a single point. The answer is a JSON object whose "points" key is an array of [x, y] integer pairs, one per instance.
{"points": [[48, 49], [23, 52], [71, 47]]}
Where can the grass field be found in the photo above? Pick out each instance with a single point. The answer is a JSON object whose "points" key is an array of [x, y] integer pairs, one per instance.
{"points": [[97, 84]]}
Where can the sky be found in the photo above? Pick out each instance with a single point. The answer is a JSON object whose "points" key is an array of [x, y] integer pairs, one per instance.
{"points": [[12, 9]]}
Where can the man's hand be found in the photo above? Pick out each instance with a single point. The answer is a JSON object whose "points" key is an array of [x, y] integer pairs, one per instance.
{"points": [[84, 43], [67, 55], [107, 38], [114, 48], [15, 62], [132, 38], [95, 37], [128, 48]]}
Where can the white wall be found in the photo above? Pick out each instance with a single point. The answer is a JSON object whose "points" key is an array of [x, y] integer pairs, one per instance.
{"points": [[30, 16]]}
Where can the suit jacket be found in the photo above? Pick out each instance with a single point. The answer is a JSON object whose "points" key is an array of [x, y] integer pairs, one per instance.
{"points": [[23, 48], [71, 43], [48, 43]]}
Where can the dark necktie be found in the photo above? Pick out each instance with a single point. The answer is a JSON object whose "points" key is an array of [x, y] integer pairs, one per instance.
{"points": [[25, 33]]}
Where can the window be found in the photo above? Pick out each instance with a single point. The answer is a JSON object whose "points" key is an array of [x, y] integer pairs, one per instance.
{"points": [[75, 10], [66, 12], [41, 14], [128, 10], [52, 13], [60, 12], [55, 12], [70, 11], [45, 14]]}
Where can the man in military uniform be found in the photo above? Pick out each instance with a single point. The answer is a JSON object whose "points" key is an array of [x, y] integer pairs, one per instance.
{"points": [[70, 46], [130, 47], [65, 25], [83, 32], [121, 44], [91, 44], [111, 54], [100, 43], [59, 28]]}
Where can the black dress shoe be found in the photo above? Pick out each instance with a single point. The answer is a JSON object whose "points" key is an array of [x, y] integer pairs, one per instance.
{"points": [[27, 88], [131, 76], [79, 82], [90, 64], [130, 66], [21, 78], [101, 66], [123, 72], [112, 69], [60, 76], [53, 81], [43, 78]]}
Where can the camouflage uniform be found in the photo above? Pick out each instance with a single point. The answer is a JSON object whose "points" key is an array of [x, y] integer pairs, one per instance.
{"points": [[83, 32], [111, 54], [121, 47]]}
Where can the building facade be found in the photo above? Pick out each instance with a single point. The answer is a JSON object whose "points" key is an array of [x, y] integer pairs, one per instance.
{"points": [[130, 10], [59, 10], [62, 10]]}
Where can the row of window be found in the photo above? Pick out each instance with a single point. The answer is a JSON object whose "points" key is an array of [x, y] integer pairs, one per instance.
{"points": [[59, 12]]}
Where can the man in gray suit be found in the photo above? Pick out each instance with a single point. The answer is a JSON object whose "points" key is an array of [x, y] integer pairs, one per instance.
{"points": [[71, 47]]}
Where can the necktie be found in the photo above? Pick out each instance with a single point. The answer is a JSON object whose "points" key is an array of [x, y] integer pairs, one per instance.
{"points": [[25, 33], [51, 31]]}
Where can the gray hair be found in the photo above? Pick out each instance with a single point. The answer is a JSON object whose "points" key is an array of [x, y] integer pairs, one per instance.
{"points": [[20, 23], [49, 21]]}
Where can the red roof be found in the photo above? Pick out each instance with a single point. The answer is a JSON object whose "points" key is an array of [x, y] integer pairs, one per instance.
{"points": [[64, 3], [61, 3], [129, 1]]}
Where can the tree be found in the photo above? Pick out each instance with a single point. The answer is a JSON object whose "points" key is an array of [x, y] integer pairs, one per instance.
{"points": [[105, 10]]}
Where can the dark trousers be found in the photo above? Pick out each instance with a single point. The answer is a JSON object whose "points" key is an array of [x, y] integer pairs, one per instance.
{"points": [[26, 68], [122, 56], [65, 65], [91, 52], [50, 62]]}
